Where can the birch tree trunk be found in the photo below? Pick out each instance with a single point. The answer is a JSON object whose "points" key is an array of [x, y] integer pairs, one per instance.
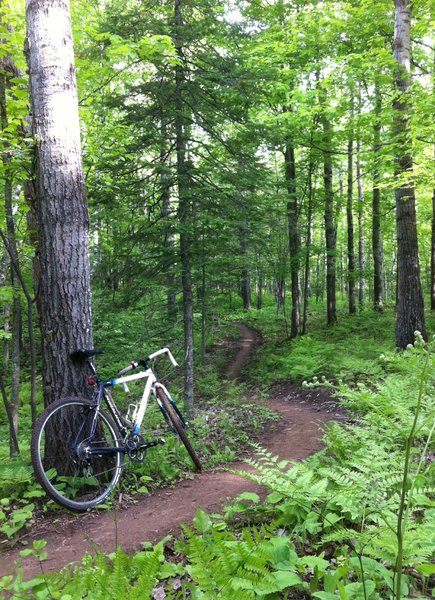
{"points": [[410, 305], [61, 208]]}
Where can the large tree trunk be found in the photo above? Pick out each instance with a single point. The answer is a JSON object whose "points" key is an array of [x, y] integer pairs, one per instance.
{"points": [[184, 210], [410, 305], [293, 236], [376, 208], [62, 213]]}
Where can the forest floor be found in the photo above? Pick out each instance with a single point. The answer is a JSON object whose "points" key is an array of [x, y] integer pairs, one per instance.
{"points": [[304, 414]]}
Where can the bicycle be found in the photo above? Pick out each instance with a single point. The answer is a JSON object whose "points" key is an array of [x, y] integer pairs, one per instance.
{"points": [[81, 469]]}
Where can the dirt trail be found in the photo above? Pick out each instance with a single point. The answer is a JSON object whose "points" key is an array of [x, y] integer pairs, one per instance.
{"points": [[304, 414]]}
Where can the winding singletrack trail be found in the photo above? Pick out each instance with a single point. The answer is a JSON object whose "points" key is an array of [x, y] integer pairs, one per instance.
{"points": [[298, 434]]}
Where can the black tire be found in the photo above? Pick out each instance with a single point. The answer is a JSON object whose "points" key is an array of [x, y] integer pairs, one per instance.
{"points": [[60, 439], [179, 428]]}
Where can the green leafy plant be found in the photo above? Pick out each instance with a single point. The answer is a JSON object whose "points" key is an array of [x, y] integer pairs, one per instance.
{"points": [[370, 495]]}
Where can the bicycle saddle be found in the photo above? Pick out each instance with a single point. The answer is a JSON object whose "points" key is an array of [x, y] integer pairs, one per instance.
{"points": [[83, 354]]}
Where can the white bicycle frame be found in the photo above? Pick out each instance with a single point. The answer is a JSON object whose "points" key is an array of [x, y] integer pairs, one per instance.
{"points": [[150, 387]]}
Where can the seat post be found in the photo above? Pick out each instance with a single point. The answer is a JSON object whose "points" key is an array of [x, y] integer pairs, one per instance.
{"points": [[92, 367]]}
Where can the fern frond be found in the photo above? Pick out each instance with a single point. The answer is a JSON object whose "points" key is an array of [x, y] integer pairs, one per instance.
{"points": [[148, 564]]}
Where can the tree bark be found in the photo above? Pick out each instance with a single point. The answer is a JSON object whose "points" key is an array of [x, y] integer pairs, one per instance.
{"points": [[246, 285], [279, 293], [260, 284], [378, 291], [12, 246], [308, 246], [350, 230], [245, 277], [4, 263], [15, 355], [61, 207], [13, 439], [203, 296], [330, 226], [169, 241], [361, 232], [293, 236], [410, 304]]}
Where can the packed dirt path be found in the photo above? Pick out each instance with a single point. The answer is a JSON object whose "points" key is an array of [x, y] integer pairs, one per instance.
{"points": [[304, 414]]}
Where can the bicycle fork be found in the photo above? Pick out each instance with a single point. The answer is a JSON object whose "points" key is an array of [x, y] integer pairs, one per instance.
{"points": [[174, 405]]}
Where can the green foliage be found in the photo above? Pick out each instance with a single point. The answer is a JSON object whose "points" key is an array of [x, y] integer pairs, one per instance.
{"points": [[98, 578], [372, 491], [255, 564], [17, 519], [331, 521], [348, 350], [225, 424], [18, 492]]}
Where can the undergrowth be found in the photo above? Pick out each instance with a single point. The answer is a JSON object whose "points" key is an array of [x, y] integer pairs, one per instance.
{"points": [[356, 521], [225, 424], [348, 350]]}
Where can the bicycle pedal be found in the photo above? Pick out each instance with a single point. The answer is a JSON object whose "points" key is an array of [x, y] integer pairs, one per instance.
{"points": [[159, 442]]}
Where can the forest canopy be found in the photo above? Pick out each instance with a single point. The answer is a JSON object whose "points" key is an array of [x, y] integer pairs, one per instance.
{"points": [[231, 152]]}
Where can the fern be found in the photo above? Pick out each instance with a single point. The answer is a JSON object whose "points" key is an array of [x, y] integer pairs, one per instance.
{"points": [[149, 567], [98, 578], [225, 566], [117, 582]]}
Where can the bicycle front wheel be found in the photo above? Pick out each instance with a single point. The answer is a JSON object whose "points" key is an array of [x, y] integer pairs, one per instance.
{"points": [[76, 453], [179, 427]]}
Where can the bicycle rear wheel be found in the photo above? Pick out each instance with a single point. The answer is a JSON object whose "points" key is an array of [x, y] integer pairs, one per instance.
{"points": [[179, 427], [65, 447]]}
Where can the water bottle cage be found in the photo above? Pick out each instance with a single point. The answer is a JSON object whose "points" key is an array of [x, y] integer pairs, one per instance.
{"points": [[131, 412]]}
